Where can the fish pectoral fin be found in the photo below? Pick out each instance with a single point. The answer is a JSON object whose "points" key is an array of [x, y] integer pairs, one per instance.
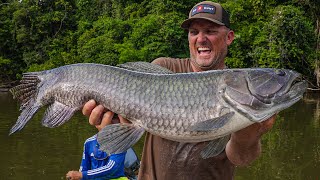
{"points": [[57, 114], [215, 147], [212, 124], [117, 138]]}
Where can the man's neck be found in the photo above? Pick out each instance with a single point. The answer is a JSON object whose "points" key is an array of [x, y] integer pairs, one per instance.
{"points": [[196, 68]]}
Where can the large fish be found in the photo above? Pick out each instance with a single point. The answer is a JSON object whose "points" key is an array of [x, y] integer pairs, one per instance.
{"points": [[185, 107]]}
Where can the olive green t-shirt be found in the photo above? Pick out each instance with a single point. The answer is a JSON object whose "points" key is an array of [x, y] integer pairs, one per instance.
{"points": [[164, 159]]}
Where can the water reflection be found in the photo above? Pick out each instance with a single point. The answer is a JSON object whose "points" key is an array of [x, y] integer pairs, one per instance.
{"points": [[290, 151], [38, 152]]}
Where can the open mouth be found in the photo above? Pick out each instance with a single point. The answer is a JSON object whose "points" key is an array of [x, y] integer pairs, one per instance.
{"points": [[204, 50]]}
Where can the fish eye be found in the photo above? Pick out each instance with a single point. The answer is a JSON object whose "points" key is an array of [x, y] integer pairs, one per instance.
{"points": [[280, 72]]}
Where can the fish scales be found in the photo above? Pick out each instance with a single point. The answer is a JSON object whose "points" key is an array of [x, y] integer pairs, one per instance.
{"points": [[168, 106], [119, 84], [186, 107]]}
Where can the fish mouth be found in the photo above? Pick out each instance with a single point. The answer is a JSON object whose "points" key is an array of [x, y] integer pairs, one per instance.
{"points": [[298, 85], [294, 92]]}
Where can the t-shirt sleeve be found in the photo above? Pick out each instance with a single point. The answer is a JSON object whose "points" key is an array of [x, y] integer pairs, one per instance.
{"points": [[162, 61], [174, 64]]}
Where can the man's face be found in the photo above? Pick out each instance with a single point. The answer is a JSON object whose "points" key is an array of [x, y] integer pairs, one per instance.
{"points": [[208, 44]]}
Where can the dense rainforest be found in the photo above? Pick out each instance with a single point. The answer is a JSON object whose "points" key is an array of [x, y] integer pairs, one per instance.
{"points": [[43, 34]]}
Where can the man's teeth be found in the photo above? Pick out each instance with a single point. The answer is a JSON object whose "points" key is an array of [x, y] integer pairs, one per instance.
{"points": [[203, 49]]}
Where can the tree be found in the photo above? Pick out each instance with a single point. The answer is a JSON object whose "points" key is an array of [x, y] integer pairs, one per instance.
{"points": [[272, 33], [312, 8], [43, 34], [286, 41]]}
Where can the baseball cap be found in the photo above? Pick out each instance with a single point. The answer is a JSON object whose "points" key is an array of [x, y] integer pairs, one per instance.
{"points": [[210, 11]]}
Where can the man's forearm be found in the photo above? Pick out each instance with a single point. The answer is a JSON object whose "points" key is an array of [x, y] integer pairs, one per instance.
{"points": [[244, 145], [242, 154]]}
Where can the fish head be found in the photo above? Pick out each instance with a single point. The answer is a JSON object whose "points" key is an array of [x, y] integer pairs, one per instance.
{"points": [[260, 93]]}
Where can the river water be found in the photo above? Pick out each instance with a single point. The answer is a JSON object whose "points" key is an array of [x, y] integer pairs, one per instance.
{"points": [[291, 150]]}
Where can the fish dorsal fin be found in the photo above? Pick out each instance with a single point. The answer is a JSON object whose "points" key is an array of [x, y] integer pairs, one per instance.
{"points": [[212, 124], [145, 67], [215, 147], [57, 114], [117, 138]]}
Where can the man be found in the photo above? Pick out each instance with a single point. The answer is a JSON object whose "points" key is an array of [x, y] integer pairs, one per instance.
{"points": [[97, 164], [209, 36]]}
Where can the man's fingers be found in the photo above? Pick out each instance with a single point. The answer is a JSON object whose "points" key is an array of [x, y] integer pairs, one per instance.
{"points": [[99, 116], [123, 120], [69, 175], [88, 107], [106, 120], [96, 115], [267, 125]]}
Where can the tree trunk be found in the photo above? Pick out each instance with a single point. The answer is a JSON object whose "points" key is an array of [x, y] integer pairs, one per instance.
{"points": [[317, 67]]}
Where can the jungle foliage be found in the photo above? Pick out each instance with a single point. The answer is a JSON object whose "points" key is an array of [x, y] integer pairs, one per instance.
{"points": [[43, 34]]}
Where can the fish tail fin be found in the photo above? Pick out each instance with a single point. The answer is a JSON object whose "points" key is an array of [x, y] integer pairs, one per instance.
{"points": [[26, 92], [117, 138]]}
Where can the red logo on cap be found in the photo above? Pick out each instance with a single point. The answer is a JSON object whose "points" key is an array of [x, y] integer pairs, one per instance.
{"points": [[199, 8]]}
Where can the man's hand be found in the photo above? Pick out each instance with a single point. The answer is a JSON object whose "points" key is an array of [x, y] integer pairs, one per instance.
{"points": [[244, 145], [73, 175], [254, 132], [99, 116]]}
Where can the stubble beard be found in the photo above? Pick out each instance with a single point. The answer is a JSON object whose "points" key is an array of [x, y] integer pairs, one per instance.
{"points": [[217, 62]]}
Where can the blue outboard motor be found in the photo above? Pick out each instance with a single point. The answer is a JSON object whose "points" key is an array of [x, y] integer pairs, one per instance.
{"points": [[131, 164]]}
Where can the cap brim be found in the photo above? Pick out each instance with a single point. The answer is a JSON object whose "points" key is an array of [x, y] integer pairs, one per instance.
{"points": [[186, 24]]}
